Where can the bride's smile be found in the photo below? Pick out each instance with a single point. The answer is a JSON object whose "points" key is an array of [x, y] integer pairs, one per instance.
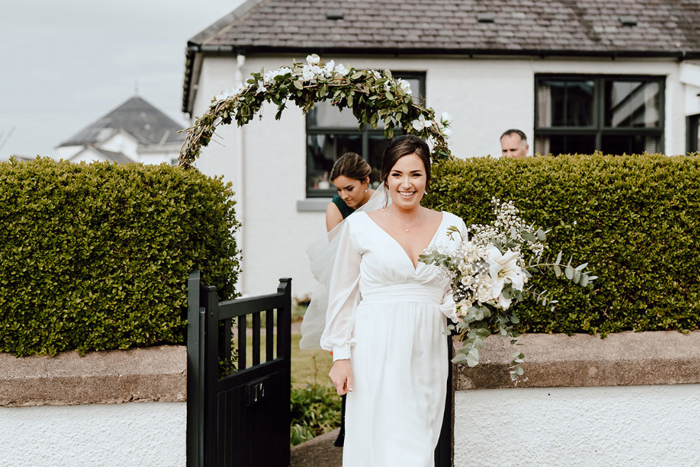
{"points": [[407, 181]]}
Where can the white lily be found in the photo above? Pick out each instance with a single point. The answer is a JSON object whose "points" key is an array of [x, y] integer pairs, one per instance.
{"points": [[431, 143], [419, 124], [502, 268], [446, 119]]}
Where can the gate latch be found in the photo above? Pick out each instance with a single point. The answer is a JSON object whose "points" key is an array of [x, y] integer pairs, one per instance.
{"points": [[256, 391]]}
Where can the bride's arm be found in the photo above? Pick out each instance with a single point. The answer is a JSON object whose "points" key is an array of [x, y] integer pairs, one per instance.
{"points": [[341, 307]]}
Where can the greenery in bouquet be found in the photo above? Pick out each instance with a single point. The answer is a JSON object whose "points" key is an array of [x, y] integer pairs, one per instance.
{"points": [[490, 271]]}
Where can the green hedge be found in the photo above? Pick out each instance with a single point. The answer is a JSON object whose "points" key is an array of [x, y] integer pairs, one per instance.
{"points": [[96, 257], [634, 219]]}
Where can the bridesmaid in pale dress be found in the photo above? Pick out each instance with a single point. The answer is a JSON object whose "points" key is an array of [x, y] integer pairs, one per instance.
{"points": [[350, 176], [386, 317]]}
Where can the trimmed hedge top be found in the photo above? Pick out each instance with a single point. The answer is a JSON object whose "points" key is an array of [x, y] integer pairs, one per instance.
{"points": [[96, 257], [634, 219]]}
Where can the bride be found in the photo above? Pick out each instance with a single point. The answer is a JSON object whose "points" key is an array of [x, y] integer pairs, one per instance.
{"points": [[386, 318]]}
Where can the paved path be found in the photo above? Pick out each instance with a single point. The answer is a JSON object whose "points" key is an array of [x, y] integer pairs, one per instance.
{"points": [[319, 452]]}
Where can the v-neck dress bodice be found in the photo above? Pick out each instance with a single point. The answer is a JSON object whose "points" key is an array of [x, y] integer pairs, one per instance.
{"points": [[389, 318]]}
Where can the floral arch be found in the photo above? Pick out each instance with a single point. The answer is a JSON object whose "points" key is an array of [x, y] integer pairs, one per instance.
{"points": [[370, 95]]}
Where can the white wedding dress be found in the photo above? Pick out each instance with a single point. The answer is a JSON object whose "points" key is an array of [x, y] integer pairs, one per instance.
{"points": [[389, 319]]}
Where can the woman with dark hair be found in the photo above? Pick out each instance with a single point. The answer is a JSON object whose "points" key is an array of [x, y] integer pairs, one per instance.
{"points": [[350, 176], [387, 316]]}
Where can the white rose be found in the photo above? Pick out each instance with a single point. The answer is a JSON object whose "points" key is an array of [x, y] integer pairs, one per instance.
{"points": [[341, 70], [405, 86]]}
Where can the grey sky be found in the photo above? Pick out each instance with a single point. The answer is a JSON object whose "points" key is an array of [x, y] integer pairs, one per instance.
{"points": [[64, 64]]}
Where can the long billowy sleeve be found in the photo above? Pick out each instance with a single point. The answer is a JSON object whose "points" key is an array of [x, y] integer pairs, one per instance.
{"points": [[342, 296], [448, 303]]}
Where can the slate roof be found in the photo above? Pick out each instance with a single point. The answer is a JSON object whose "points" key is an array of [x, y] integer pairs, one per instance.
{"points": [[118, 157], [662, 28], [531, 26], [137, 117]]}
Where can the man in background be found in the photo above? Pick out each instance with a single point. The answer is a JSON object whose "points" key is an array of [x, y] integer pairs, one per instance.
{"points": [[514, 144]]}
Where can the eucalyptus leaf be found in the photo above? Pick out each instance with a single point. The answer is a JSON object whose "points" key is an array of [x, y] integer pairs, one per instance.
{"points": [[569, 271], [459, 358]]}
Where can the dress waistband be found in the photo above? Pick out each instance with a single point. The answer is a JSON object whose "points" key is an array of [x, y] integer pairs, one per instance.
{"points": [[402, 293]]}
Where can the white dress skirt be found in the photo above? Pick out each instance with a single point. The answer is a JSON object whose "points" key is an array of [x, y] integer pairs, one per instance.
{"points": [[389, 319]]}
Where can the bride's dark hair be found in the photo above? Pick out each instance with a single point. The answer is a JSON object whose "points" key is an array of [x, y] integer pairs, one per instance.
{"points": [[403, 146]]}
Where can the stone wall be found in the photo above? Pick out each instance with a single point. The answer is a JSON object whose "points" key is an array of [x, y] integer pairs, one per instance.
{"points": [[628, 399], [106, 408]]}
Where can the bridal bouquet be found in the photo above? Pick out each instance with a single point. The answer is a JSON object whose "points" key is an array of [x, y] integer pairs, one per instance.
{"points": [[490, 270]]}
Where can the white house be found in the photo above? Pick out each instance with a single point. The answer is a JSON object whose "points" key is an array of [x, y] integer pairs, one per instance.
{"points": [[607, 75], [135, 131]]}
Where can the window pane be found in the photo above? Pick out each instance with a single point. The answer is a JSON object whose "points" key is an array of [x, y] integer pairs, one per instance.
{"points": [[630, 144], [633, 104], [377, 144], [325, 115], [565, 144], [579, 103], [565, 103], [321, 152], [550, 103], [417, 92]]}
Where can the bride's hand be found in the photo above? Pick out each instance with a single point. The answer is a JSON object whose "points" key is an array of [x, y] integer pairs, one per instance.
{"points": [[341, 376]]}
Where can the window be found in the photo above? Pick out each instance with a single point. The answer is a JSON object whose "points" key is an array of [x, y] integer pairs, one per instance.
{"points": [[613, 114], [692, 125], [331, 133]]}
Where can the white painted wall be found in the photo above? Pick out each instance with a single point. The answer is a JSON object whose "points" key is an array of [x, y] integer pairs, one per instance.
{"points": [[88, 155], [66, 152], [122, 142], [135, 434], [485, 96], [598, 426]]}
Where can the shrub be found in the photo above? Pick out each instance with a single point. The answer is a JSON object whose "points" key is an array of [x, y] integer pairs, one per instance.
{"points": [[634, 219], [315, 410], [96, 257]]}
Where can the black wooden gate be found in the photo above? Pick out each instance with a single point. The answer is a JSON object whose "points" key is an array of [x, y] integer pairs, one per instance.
{"points": [[239, 419]]}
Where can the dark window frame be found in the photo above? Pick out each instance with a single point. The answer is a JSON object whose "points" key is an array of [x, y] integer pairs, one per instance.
{"points": [[598, 127], [691, 132], [365, 133]]}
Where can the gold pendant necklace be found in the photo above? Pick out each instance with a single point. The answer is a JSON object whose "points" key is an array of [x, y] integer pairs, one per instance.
{"points": [[402, 224]]}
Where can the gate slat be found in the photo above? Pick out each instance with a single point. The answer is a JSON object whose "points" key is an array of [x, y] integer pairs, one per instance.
{"points": [[256, 338], [269, 335], [242, 344], [250, 305]]}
